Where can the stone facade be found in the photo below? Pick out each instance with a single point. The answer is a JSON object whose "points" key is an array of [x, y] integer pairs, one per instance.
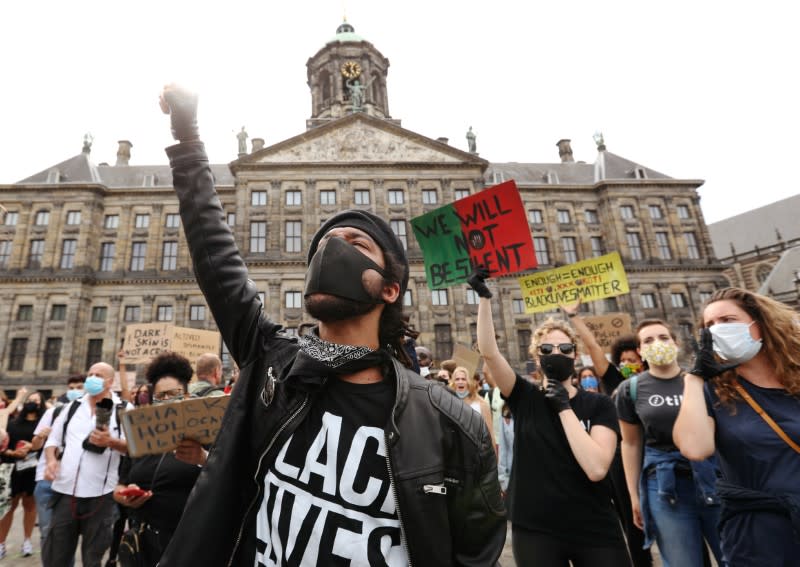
{"points": [[112, 250]]}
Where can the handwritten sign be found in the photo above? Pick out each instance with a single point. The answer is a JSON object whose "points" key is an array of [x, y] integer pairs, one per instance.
{"points": [[155, 429], [143, 341], [608, 328], [488, 228], [146, 340], [191, 343], [466, 357], [588, 280]]}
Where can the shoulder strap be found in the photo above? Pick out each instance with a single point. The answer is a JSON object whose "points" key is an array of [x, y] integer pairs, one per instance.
{"points": [[765, 416], [634, 386], [120, 406], [73, 407]]}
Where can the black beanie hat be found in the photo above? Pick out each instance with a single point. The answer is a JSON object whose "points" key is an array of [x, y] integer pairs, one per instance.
{"points": [[373, 225]]}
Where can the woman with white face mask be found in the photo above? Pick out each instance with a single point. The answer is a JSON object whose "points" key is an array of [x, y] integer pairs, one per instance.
{"points": [[673, 500], [742, 399]]}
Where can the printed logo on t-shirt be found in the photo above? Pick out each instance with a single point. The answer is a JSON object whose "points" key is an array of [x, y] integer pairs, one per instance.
{"points": [[329, 503], [657, 400]]}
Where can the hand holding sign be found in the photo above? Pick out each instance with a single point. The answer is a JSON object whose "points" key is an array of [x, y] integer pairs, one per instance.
{"points": [[477, 281]]}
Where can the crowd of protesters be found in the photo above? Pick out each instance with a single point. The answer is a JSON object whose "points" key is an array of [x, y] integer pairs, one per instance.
{"points": [[354, 444]]}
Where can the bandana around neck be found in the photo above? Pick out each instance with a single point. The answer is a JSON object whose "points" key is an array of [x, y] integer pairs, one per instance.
{"points": [[341, 359]]}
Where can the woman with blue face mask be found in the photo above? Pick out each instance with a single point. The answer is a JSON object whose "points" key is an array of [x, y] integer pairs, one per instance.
{"points": [[742, 400], [466, 389]]}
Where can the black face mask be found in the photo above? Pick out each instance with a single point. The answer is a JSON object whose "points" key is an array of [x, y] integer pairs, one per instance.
{"points": [[557, 366], [30, 407], [337, 269]]}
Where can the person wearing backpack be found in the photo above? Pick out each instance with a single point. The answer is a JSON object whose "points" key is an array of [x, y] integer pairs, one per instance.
{"points": [[83, 453], [673, 500], [43, 493], [209, 377]]}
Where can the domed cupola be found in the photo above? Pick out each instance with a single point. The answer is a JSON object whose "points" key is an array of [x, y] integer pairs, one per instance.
{"points": [[347, 75]]}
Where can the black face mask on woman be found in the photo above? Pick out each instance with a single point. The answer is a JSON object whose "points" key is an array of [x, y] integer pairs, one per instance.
{"points": [[557, 366], [30, 407]]}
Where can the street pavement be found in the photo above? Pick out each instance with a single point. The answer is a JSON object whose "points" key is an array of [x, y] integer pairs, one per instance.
{"points": [[14, 548]]}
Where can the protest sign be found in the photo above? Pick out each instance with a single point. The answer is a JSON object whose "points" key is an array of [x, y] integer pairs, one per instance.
{"points": [[466, 357], [488, 228], [588, 280], [191, 343], [608, 328], [155, 429], [146, 340], [143, 341]]}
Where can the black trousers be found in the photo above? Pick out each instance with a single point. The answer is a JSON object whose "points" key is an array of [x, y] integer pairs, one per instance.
{"points": [[91, 519], [542, 550]]}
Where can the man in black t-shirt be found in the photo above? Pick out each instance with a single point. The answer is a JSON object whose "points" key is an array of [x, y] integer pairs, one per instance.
{"points": [[332, 451]]}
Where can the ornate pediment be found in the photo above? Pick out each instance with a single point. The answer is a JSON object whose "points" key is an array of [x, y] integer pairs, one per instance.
{"points": [[359, 141]]}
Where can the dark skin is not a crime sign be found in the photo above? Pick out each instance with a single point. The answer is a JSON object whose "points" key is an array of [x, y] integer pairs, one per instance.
{"points": [[486, 229]]}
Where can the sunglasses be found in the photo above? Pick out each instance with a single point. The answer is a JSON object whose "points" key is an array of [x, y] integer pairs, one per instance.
{"points": [[565, 348]]}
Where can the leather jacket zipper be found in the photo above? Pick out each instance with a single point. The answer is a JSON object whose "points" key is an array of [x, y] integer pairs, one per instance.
{"points": [[258, 471], [394, 493]]}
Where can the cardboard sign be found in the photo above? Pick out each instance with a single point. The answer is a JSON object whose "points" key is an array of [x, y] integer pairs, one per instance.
{"points": [[191, 343], [588, 280], [466, 357], [155, 429], [143, 341], [488, 228], [608, 328]]}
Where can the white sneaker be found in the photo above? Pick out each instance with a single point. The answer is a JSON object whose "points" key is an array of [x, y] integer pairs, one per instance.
{"points": [[27, 548], [2, 550]]}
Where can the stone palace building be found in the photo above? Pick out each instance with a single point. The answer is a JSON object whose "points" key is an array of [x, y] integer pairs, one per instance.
{"points": [[86, 249]]}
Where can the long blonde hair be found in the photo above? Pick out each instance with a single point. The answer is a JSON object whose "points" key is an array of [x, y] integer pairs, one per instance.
{"points": [[472, 384], [780, 333]]}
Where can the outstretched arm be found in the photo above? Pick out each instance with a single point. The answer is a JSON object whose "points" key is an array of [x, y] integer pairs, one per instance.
{"points": [[504, 376], [219, 268]]}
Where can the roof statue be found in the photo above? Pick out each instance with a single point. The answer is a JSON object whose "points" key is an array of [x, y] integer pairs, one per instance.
{"points": [[473, 146]]}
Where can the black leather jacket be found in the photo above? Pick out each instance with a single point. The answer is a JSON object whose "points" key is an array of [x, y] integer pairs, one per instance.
{"points": [[432, 438]]}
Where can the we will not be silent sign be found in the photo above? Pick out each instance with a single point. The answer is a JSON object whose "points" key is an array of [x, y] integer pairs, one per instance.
{"points": [[488, 229]]}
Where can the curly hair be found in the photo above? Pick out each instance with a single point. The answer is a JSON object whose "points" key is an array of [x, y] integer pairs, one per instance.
{"points": [[169, 364], [623, 344], [550, 325], [780, 335]]}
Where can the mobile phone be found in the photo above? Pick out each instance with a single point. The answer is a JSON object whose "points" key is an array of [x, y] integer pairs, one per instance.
{"points": [[132, 491], [20, 444]]}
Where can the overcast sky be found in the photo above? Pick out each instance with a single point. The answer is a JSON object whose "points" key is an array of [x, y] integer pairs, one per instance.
{"points": [[695, 90]]}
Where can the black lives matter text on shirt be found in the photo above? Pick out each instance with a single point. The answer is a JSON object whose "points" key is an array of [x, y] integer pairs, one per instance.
{"points": [[327, 498], [656, 407], [552, 493]]}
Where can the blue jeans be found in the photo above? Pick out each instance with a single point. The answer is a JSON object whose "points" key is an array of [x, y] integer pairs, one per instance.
{"points": [[680, 526], [44, 512]]}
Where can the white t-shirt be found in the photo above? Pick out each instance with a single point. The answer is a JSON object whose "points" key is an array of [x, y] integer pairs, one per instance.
{"points": [[96, 474], [44, 422]]}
